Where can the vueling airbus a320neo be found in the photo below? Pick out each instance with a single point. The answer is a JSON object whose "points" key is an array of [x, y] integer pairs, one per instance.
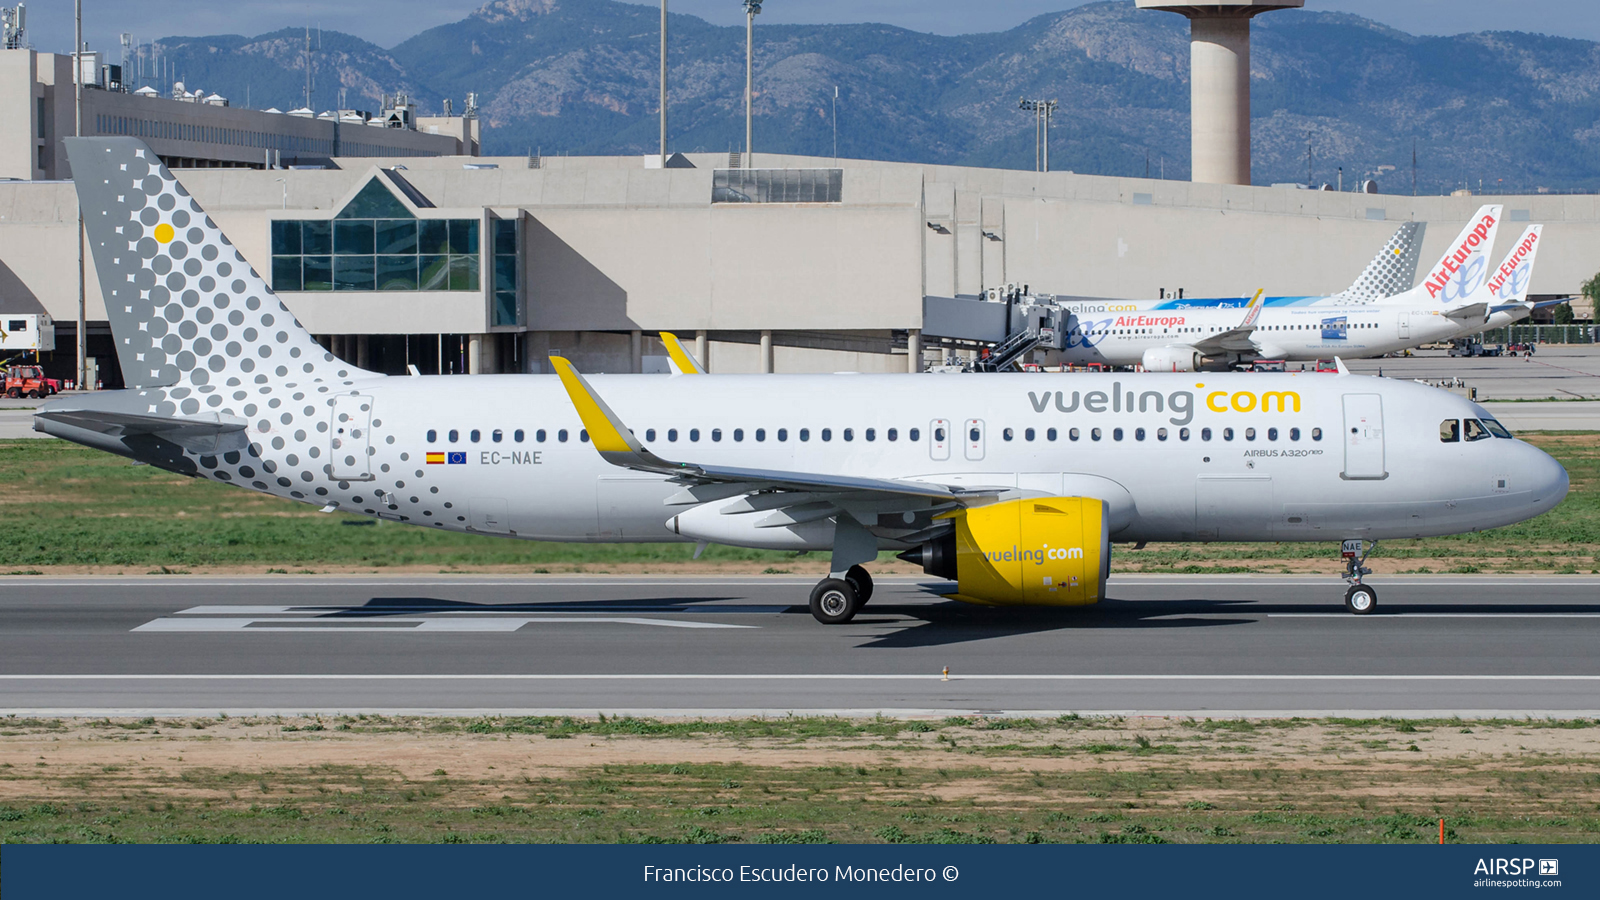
{"points": [[1012, 486]]}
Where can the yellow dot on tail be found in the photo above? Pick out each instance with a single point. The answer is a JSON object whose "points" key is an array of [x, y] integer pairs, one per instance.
{"points": [[164, 233]]}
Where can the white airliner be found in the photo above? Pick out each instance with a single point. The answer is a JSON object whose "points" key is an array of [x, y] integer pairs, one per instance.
{"points": [[1013, 486], [1454, 298]]}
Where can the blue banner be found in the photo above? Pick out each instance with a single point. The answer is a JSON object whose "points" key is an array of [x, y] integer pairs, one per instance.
{"points": [[398, 872]]}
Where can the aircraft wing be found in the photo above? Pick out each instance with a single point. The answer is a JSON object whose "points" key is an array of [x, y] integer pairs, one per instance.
{"points": [[618, 446], [1237, 339], [205, 433]]}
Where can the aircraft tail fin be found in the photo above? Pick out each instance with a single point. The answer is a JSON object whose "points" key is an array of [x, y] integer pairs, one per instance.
{"points": [[1393, 270], [1509, 283], [186, 308], [1463, 272]]}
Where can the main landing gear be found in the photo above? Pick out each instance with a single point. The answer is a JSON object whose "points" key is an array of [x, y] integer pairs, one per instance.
{"points": [[835, 601], [1360, 599]]}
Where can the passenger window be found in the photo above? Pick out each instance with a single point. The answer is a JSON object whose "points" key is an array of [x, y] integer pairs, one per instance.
{"points": [[1227, 434], [1249, 434], [1272, 434], [1450, 431], [694, 434], [1183, 434], [1205, 434], [849, 434], [805, 434], [974, 435], [519, 435], [433, 436], [1474, 430], [915, 434], [475, 435], [583, 435], [783, 434], [938, 434], [497, 435], [1072, 434], [650, 435], [893, 434], [454, 435], [1316, 434], [1294, 434], [738, 434], [1116, 434], [1049, 434], [827, 434], [761, 434], [872, 434], [1008, 434], [1161, 434], [562, 435], [716, 434], [540, 435], [1138, 434], [1028, 434], [672, 434]]}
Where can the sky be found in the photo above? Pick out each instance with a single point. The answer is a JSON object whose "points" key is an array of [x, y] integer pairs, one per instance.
{"points": [[388, 22]]}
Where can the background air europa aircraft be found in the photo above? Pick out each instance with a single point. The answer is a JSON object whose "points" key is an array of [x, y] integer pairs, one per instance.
{"points": [[1013, 486]]}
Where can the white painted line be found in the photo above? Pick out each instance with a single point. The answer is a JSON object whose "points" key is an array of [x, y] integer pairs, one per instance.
{"points": [[770, 676], [381, 613], [1432, 615], [456, 624]]}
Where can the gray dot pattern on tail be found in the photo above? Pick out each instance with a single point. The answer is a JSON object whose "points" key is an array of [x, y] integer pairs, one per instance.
{"points": [[199, 331]]}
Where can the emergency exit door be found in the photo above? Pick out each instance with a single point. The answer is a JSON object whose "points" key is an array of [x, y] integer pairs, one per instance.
{"points": [[939, 438], [1363, 437]]}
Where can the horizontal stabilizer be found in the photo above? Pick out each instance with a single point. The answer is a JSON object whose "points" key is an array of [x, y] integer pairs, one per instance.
{"points": [[204, 433]]}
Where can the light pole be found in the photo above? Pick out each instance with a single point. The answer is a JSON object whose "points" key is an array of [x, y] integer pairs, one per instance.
{"points": [[1043, 111], [836, 126], [663, 84], [77, 104], [751, 7]]}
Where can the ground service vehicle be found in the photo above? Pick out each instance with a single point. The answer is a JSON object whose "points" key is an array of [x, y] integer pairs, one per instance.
{"points": [[1013, 487]]}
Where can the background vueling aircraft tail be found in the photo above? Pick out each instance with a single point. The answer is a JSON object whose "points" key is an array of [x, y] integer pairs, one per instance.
{"points": [[1014, 487]]}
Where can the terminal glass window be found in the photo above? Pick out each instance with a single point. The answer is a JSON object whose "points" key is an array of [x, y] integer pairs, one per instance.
{"points": [[376, 244], [505, 271], [776, 185]]}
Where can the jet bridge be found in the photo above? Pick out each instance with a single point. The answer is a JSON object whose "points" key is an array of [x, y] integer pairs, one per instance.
{"points": [[1009, 322]]}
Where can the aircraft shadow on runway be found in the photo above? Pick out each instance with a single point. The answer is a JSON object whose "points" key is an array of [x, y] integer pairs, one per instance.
{"points": [[954, 622]]}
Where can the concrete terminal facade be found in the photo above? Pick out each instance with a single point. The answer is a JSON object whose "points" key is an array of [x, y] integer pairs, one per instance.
{"points": [[593, 256]]}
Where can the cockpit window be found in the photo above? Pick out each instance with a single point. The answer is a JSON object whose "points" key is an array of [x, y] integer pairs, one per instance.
{"points": [[1496, 429], [1450, 431], [1475, 430]]}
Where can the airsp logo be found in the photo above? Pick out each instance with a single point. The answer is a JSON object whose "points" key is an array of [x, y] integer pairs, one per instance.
{"points": [[1524, 866]]}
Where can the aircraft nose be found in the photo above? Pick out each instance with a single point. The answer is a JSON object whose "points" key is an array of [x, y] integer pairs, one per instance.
{"points": [[1547, 478]]}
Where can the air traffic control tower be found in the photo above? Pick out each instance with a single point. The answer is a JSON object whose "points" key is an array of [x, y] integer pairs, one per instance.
{"points": [[1219, 83]]}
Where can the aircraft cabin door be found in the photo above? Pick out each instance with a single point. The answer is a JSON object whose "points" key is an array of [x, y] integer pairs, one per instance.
{"points": [[972, 434], [1403, 325], [939, 439], [351, 437], [1363, 437]]}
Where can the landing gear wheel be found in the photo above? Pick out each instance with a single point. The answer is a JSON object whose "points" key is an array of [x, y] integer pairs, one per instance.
{"points": [[834, 601], [1361, 599], [862, 582]]}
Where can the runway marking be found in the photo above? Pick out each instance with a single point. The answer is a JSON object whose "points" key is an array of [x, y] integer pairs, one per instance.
{"points": [[1433, 615], [458, 624], [446, 610], [782, 677]]}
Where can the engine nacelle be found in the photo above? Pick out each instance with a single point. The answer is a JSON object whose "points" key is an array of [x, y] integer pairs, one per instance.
{"points": [[1171, 359], [1049, 551]]}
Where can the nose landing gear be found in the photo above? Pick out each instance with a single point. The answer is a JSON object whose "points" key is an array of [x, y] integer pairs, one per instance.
{"points": [[1361, 599]]}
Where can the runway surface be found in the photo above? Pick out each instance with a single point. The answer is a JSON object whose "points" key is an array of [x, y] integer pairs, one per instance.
{"points": [[1218, 645]]}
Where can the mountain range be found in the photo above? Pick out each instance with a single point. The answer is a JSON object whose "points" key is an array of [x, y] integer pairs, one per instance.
{"points": [[1511, 110]]}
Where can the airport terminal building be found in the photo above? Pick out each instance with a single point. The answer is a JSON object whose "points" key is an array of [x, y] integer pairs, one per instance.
{"points": [[401, 247]]}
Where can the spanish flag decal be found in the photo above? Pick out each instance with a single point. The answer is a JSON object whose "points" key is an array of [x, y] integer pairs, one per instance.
{"points": [[435, 459]]}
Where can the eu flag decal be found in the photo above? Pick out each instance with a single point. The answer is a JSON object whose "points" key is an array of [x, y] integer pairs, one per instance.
{"points": [[458, 458]]}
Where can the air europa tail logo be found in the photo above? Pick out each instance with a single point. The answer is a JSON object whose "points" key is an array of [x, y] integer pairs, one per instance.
{"points": [[1513, 272], [1440, 278]]}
